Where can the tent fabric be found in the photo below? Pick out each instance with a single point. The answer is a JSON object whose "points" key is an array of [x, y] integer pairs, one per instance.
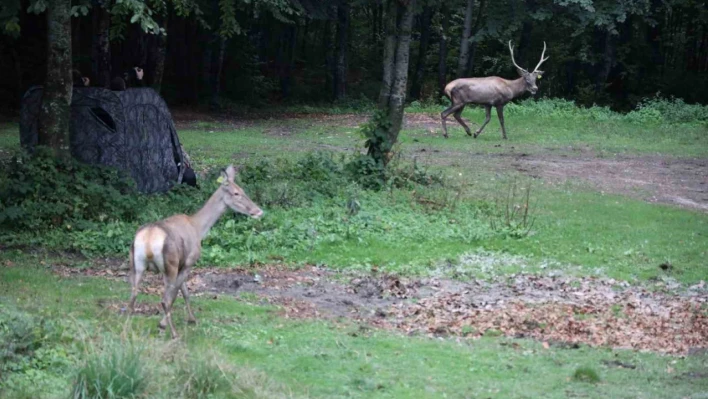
{"points": [[131, 130]]}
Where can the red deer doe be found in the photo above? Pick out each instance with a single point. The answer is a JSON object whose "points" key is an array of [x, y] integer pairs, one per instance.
{"points": [[173, 245], [489, 91]]}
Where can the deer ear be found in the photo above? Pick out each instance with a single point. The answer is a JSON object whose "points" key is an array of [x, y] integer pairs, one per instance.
{"points": [[521, 72], [230, 172]]}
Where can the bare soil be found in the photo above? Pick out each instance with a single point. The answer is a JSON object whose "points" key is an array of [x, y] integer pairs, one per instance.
{"points": [[557, 310]]}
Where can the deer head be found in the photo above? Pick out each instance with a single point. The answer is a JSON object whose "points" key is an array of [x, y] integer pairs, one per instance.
{"points": [[235, 198], [529, 77]]}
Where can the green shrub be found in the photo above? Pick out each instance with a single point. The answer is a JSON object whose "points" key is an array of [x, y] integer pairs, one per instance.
{"points": [[38, 192], [671, 110], [27, 341], [114, 372]]}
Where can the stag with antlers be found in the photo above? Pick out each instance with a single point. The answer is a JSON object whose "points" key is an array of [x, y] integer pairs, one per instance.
{"points": [[490, 91]]}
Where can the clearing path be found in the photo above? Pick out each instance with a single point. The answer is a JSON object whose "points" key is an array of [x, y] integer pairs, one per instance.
{"points": [[559, 310]]}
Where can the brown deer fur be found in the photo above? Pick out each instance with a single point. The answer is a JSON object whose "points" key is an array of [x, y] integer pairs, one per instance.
{"points": [[173, 245], [491, 91]]}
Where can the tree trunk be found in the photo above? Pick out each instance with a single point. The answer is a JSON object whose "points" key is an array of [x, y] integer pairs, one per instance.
{"points": [[157, 58], [442, 60], [286, 55], [340, 71], [329, 58], [393, 88], [101, 47], [426, 21], [53, 127], [400, 73], [218, 68], [606, 62], [465, 42], [525, 50], [473, 45], [389, 57]]}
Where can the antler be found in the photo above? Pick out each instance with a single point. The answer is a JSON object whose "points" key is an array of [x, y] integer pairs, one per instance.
{"points": [[542, 59], [511, 50]]}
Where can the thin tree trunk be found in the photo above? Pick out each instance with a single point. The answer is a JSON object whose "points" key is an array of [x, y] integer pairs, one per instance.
{"points": [[465, 42], [526, 29], [389, 57], [53, 126], [218, 67], [158, 61], [400, 80], [606, 63], [340, 71], [329, 58], [17, 63], [473, 44], [426, 22], [442, 60], [101, 47]]}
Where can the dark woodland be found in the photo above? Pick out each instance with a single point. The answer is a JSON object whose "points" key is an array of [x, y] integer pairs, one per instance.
{"points": [[300, 51]]}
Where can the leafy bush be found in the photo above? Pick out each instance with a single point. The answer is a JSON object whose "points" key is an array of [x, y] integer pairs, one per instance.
{"points": [[40, 191], [651, 110], [671, 110], [22, 336], [35, 352]]}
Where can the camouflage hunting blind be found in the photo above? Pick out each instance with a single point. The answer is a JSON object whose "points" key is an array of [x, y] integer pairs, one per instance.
{"points": [[130, 130]]}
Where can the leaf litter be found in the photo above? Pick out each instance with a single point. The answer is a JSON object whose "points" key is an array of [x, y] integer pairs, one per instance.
{"points": [[562, 310]]}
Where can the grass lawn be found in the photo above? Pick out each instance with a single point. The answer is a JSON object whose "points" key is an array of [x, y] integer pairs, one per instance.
{"points": [[339, 359], [580, 228]]}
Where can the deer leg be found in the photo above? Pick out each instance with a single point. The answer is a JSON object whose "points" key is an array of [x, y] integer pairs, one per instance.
{"points": [[183, 288], [458, 117], [488, 109], [136, 273], [168, 298], [446, 113], [190, 315], [500, 114]]}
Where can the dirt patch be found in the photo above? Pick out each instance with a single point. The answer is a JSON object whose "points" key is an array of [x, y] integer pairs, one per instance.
{"points": [[682, 182], [663, 317]]}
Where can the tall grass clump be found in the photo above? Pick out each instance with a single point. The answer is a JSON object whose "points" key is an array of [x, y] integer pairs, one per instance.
{"points": [[115, 371]]}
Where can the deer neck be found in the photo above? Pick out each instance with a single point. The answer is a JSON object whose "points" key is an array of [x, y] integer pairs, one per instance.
{"points": [[518, 87], [210, 213]]}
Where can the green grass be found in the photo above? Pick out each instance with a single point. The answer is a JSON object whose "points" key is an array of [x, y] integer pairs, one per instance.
{"points": [[577, 228], [412, 230], [338, 360]]}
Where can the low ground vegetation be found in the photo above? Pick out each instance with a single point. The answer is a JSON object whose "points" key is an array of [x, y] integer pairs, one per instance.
{"points": [[459, 209]]}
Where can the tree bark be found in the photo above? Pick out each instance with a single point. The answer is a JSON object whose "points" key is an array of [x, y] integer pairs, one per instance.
{"points": [[340, 70], [329, 58], [398, 89], [465, 42], [473, 44], [101, 47], [425, 21], [389, 57], [607, 61], [53, 126], [218, 68], [157, 56], [442, 60]]}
